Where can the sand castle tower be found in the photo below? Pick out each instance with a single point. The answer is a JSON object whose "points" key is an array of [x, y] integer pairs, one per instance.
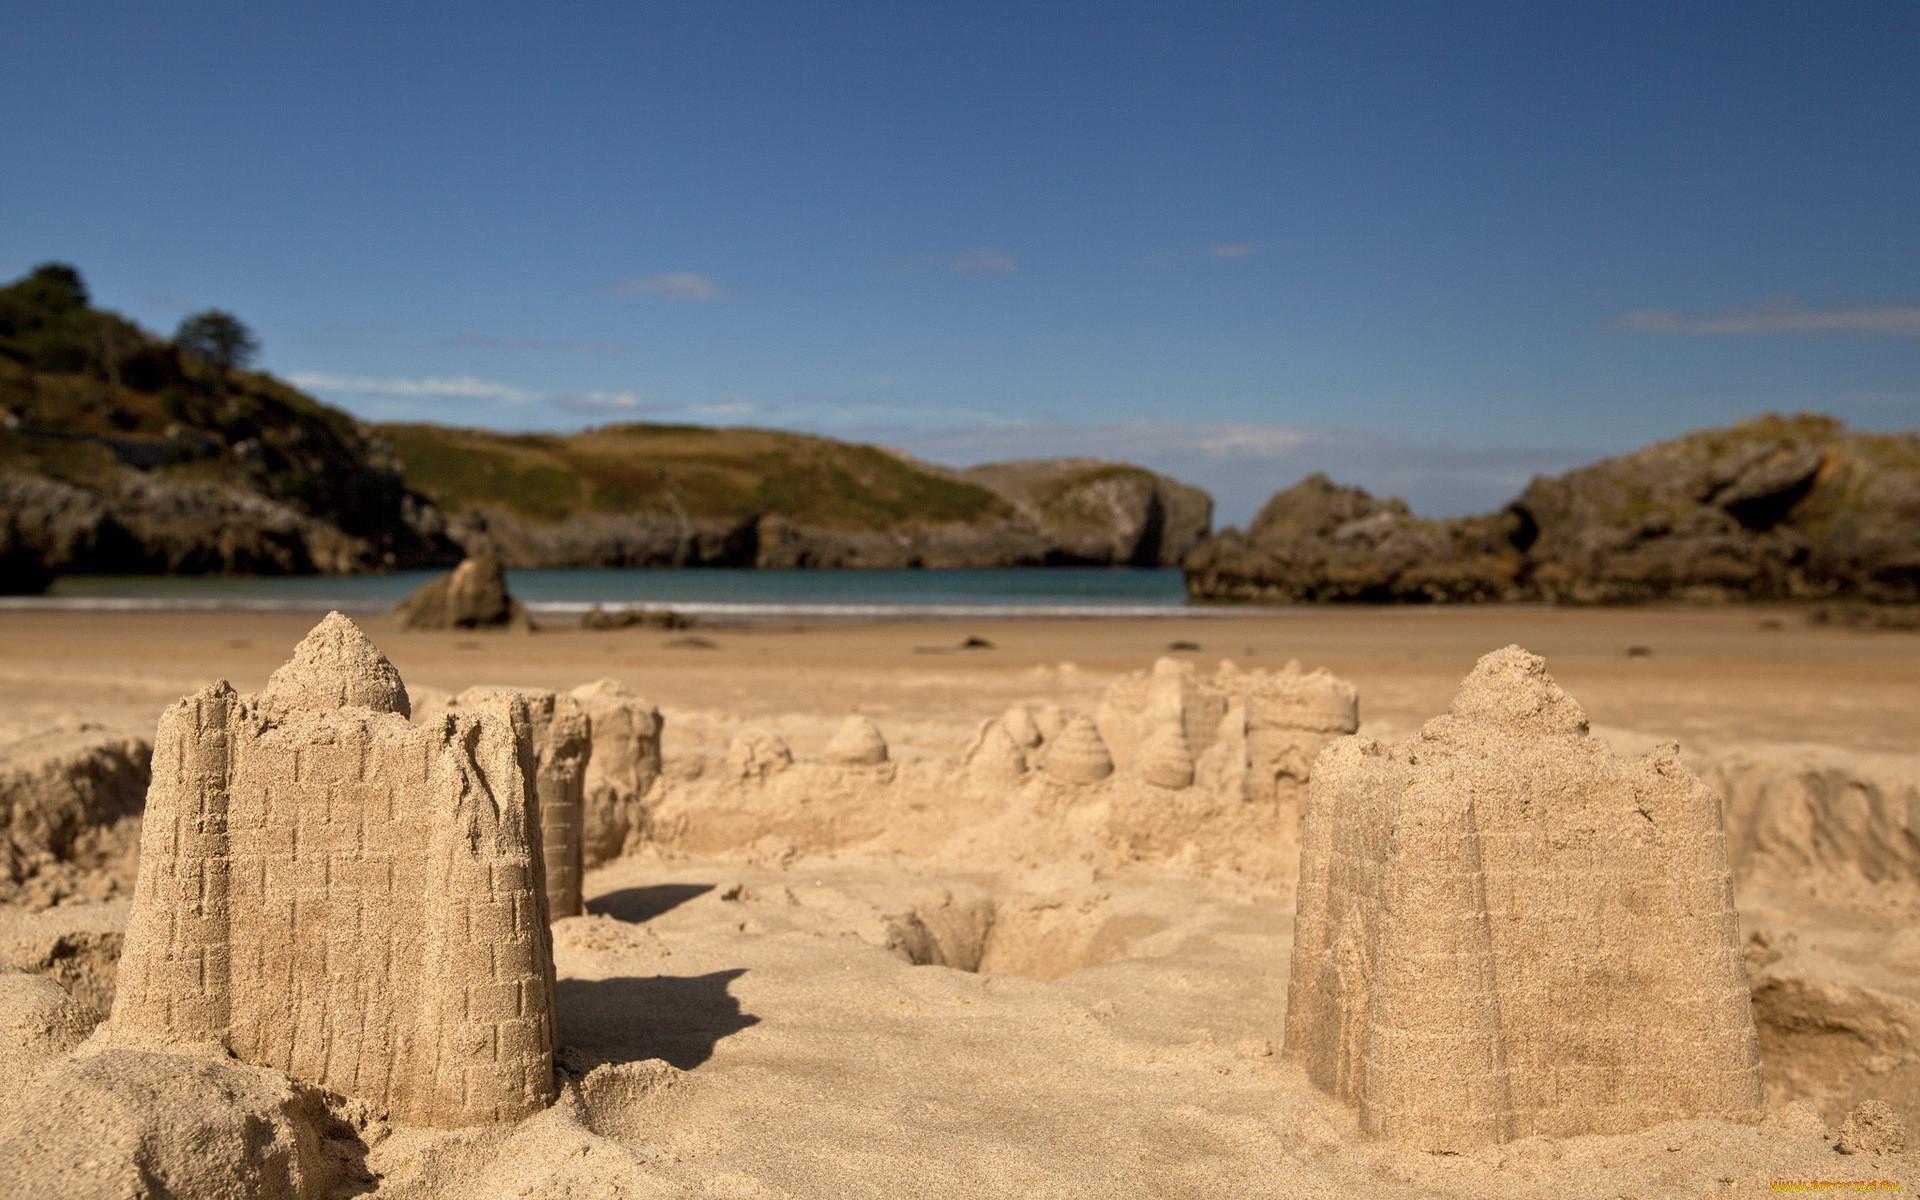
{"points": [[557, 747], [336, 893], [562, 744], [1503, 930], [624, 764]]}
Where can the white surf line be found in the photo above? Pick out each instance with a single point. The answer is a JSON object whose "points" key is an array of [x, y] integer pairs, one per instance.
{"points": [[185, 604], [697, 608], [716, 608]]}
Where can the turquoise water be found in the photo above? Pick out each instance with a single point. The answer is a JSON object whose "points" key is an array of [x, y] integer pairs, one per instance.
{"points": [[1054, 590]]}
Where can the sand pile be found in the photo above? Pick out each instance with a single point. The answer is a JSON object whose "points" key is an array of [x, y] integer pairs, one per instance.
{"points": [[70, 801], [1209, 771]]}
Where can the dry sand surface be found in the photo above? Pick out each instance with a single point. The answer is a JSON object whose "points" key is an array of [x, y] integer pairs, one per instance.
{"points": [[848, 978]]}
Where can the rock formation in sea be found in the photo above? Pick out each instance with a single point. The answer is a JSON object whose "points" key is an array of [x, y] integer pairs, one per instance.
{"points": [[1773, 508], [471, 596], [1505, 931], [329, 890]]}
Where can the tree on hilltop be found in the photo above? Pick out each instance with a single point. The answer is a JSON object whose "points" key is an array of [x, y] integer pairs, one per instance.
{"points": [[218, 339]]}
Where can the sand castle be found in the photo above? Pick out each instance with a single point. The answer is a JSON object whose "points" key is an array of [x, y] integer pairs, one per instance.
{"points": [[1253, 734], [1503, 930], [334, 892], [1175, 765], [557, 742], [624, 763]]}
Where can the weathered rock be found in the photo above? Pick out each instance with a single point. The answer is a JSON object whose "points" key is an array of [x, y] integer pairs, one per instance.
{"points": [[471, 596], [328, 890], [1108, 514], [1318, 541], [1505, 931], [598, 617], [1773, 508]]}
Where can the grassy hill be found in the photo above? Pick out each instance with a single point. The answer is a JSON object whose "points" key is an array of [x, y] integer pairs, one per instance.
{"points": [[125, 452], [683, 471]]}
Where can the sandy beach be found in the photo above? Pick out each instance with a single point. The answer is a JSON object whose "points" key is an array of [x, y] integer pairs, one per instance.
{"points": [[785, 1009]]}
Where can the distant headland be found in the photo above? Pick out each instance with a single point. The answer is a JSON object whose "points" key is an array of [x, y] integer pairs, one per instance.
{"points": [[122, 452]]}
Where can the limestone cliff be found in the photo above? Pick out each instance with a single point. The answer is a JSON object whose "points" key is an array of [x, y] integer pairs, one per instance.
{"points": [[1773, 508]]}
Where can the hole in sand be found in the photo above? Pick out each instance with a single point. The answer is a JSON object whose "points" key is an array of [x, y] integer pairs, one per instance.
{"points": [[1019, 935]]}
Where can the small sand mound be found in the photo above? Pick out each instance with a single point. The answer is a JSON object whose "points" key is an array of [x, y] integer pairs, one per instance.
{"points": [[857, 743], [70, 803], [127, 1123], [39, 1022], [1077, 755]]}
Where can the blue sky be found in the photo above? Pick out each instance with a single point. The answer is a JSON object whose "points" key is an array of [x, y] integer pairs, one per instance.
{"points": [[1430, 248]]}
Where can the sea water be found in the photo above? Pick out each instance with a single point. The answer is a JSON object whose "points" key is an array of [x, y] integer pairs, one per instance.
{"points": [[713, 593]]}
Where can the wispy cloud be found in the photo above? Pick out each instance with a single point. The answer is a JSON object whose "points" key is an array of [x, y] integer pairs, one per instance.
{"points": [[487, 341], [602, 403], [1219, 250], [682, 286], [984, 261], [1780, 317], [461, 387]]}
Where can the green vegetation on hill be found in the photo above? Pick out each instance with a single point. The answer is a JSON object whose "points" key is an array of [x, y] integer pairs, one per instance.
{"points": [[683, 471], [125, 452], [84, 393]]}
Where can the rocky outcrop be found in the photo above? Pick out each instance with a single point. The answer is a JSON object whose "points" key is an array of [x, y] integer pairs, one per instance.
{"points": [[1101, 513], [141, 524], [685, 496], [1318, 541], [471, 596], [1774, 508], [1061, 512]]}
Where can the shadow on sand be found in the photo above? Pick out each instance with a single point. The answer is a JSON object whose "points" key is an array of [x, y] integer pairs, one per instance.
{"points": [[638, 904], [675, 1017]]}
